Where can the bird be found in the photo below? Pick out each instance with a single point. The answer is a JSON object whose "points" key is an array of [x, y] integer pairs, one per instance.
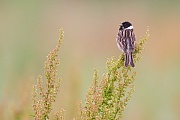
{"points": [[125, 40]]}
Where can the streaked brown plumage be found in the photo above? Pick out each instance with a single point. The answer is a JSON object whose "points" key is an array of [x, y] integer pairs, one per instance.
{"points": [[126, 42]]}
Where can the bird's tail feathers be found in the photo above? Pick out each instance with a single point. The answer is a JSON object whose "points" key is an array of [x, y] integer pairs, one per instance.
{"points": [[129, 60], [126, 63]]}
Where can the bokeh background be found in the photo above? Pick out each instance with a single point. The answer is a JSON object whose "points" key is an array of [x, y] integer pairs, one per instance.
{"points": [[30, 29]]}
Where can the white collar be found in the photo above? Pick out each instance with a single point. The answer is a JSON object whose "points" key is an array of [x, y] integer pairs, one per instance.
{"points": [[130, 27]]}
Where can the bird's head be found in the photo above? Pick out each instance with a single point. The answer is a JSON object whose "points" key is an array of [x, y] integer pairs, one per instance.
{"points": [[125, 25]]}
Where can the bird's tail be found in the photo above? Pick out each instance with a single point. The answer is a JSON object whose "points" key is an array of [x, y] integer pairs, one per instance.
{"points": [[129, 60], [126, 63]]}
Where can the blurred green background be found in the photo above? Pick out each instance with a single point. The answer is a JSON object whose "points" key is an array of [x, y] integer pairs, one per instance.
{"points": [[30, 29]]}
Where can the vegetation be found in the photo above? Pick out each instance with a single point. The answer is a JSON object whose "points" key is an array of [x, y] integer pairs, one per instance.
{"points": [[107, 97]]}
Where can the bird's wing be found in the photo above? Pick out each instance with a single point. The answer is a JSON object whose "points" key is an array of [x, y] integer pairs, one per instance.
{"points": [[128, 33], [120, 39], [133, 38]]}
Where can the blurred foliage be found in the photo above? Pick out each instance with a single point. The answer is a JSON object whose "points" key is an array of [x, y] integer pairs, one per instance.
{"points": [[29, 30], [107, 99], [44, 96]]}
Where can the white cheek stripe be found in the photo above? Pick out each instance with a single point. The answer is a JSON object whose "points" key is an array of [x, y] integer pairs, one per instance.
{"points": [[130, 27]]}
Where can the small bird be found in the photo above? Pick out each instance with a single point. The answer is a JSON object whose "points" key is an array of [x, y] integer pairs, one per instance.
{"points": [[126, 42]]}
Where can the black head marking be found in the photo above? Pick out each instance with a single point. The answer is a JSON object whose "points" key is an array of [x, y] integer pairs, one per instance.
{"points": [[121, 27], [126, 24]]}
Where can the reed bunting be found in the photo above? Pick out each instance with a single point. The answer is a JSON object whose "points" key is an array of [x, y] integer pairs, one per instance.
{"points": [[126, 42]]}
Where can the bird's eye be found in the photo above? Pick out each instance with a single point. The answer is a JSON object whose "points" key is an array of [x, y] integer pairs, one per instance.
{"points": [[121, 27]]}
